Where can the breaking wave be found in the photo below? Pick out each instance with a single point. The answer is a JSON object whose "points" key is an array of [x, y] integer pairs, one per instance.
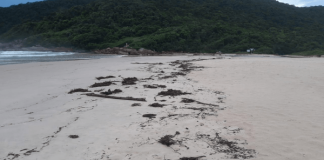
{"points": [[9, 54]]}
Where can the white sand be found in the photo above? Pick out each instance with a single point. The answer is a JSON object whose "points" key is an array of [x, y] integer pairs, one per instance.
{"points": [[279, 102], [275, 105], [37, 115]]}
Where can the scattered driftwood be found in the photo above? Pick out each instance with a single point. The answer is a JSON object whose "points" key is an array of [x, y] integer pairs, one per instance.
{"points": [[73, 136], [102, 84], [129, 81], [171, 92], [192, 158], [100, 78], [154, 86], [115, 97], [208, 104], [151, 116], [109, 92], [136, 104], [187, 100], [78, 90], [157, 105]]}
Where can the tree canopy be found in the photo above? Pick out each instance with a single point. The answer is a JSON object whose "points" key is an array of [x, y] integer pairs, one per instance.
{"points": [[179, 25]]}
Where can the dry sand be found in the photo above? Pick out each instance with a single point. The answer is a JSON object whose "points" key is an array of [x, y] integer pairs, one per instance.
{"points": [[279, 102], [266, 108]]}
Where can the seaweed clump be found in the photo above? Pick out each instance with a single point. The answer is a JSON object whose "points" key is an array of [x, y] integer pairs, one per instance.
{"points": [[151, 116], [102, 84], [167, 139], [78, 90], [187, 100], [167, 77], [100, 78], [154, 86], [230, 148], [73, 136], [136, 104], [157, 105], [109, 92], [178, 74], [129, 81], [171, 92], [192, 158]]}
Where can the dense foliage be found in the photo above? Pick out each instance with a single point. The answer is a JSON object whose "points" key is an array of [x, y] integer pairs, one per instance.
{"points": [[181, 25], [17, 14]]}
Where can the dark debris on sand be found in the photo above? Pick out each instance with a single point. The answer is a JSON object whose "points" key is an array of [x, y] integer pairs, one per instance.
{"points": [[99, 90], [167, 77], [129, 81], [102, 84], [230, 148], [107, 77], [192, 158], [136, 104], [151, 116], [13, 155], [154, 86], [149, 63], [28, 153], [157, 105], [109, 92], [171, 92], [178, 73], [167, 139], [78, 90], [73, 136], [187, 100]]}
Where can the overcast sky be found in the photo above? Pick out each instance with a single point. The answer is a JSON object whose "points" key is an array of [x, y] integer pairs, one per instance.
{"points": [[303, 3], [298, 3], [7, 3]]}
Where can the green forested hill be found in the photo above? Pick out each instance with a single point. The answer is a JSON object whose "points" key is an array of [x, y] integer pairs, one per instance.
{"points": [[181, 25], [17, 14]]}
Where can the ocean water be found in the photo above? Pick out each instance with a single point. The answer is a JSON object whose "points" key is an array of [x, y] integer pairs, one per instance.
{"points": [[17, 57]]}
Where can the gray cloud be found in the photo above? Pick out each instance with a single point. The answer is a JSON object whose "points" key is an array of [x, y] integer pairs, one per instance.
{"points": [[303, 3]]}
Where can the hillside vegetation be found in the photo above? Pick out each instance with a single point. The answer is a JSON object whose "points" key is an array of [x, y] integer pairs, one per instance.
{"points": [[180, 25], [18, 14]]}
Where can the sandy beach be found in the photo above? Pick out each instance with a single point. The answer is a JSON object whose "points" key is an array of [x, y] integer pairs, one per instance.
{"points": [[194, 108], [277, 101]]}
